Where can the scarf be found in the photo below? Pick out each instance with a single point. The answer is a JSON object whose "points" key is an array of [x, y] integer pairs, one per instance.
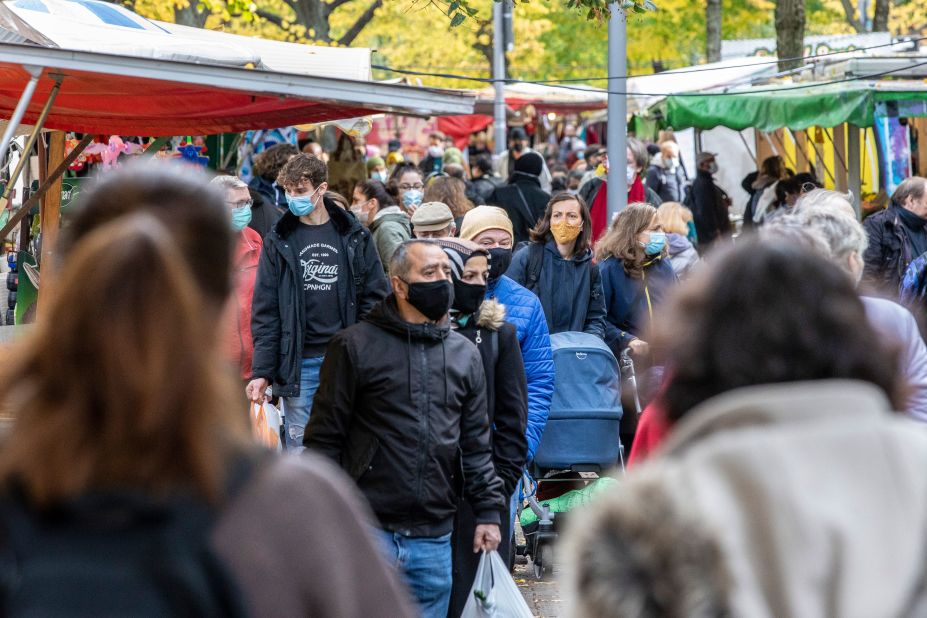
{"points": [[636, 193]]}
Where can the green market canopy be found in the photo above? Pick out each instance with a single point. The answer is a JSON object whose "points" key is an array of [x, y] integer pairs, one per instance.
{"points": [[795, 107]]}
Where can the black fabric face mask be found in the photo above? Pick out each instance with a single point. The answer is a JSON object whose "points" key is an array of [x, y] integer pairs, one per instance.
{"points": [[432, 298], [499, 261], [468, 297]]}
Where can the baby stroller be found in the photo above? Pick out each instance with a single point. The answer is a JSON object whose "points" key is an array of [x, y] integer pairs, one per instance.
{"points": [[580, 442]]}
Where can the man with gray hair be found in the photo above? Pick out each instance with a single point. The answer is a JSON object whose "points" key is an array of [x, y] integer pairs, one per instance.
{"points": [[401, 407], [844, 243], [248, 245], [897, 235]]}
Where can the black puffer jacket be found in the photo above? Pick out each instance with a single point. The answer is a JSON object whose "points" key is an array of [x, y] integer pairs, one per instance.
{"points": [[277, 313], [402, 408]]}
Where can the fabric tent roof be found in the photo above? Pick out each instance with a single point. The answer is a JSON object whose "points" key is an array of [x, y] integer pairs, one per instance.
{"points": [[545, 98], [108, 93], [95, 26], [767, 108]]}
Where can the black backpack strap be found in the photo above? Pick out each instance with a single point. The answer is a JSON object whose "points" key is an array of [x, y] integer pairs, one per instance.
{"points": [[535, 262], [529, 216]]}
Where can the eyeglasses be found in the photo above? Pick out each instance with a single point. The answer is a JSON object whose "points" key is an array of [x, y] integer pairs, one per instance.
{"points": [[248, 203], [407, 187], [808, 187]]}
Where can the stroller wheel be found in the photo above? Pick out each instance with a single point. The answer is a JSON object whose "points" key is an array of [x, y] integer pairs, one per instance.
{"points": [[542, 562]]}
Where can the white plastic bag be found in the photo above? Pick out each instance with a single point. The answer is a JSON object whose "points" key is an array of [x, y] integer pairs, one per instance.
{"points": [[494, 593], [266, 422]]}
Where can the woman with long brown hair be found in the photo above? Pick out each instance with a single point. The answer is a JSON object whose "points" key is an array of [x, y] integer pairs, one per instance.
{"points": [[635, 275], [557, 266], [450, 191], [129, 484]]}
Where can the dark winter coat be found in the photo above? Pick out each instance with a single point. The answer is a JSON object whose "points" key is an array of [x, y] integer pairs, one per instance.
{"points": [[402, 409], [277, 318], [669, 185], [507, 395], [626, 298], [889, 253], [479, 189], [570, 293], [524, 201], [506, 389], [272, 194], [264, 215], [708, 209]]}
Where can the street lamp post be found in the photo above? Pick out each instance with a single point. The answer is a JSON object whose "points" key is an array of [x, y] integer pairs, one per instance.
{"points": [[617, 134], [498, 76]]}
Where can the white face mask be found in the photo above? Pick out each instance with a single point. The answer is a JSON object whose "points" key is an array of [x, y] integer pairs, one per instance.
{"points": [[362, 215], [713, 168]]}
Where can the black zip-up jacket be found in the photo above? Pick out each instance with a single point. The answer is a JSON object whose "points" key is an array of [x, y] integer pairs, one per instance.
{"points": [[277, 314], [402, 408], [524, 201], [889, 251]]}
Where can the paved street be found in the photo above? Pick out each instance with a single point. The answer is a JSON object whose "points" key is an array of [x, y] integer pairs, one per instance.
{"points": [[543, 597]]}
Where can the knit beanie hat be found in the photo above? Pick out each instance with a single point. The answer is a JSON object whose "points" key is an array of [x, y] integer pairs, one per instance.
{"points": [[484, 218], [375, 162], [458, 252], [529, 163], [453, 155]]}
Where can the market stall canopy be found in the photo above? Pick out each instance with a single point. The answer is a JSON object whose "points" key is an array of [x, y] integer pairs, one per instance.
{"points": [[94, 26], [793, 106], [108, 93], [646, 90]]}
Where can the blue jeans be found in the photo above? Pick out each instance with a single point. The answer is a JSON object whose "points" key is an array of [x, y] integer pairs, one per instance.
{"points": [[425, 565], [297, 408]]}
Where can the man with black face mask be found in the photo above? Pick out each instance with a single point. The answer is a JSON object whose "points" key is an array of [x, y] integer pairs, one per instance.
{"points": [[504, 165], [490, 228], [402, 409], [483, 322]]}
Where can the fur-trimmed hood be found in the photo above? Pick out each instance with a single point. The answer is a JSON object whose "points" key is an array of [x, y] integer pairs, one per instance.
{"points": [[805, 499], [491, 314]]}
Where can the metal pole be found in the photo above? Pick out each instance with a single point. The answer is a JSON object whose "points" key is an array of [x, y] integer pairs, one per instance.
{"points": [[498, 76], [20, 111], [5, 198], [617, 133], [853, 156]]}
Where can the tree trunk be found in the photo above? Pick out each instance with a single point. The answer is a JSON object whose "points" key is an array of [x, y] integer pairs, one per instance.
{"points": [[880, 20], [190, 16], [313, 14], [790, 33], [713, 30]]}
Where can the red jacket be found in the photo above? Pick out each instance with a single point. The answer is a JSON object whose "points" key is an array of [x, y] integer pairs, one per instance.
{"points": [[238, 326]]}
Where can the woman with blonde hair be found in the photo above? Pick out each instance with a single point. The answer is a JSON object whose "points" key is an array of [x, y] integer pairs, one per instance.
{"points": [[635, 275], [130, 484], [679, 225]]}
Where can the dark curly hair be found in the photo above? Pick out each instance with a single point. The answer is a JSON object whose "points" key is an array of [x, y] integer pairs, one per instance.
{"points": [[303, 167], [771, 312], [269, 163]]}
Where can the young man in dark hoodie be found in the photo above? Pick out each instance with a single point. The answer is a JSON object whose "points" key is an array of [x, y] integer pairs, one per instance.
{"points": [[319, 273], [402, 408]]}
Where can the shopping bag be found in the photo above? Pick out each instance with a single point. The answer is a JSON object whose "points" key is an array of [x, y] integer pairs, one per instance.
{"points": [[266, 422], [494, 593]]}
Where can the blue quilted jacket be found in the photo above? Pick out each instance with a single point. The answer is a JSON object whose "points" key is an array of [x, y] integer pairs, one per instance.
{"points": [[523, 309]]}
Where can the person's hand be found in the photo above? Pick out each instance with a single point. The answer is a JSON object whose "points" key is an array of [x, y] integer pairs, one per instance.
{"points": [[487, 537], [256, 389], [639, 347]]}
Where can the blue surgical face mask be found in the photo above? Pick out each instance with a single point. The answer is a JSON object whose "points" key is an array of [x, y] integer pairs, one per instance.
{"points": [[656, 243], [301, 205], [381, 176], [412, 198], [632, 173], [241, 217]]}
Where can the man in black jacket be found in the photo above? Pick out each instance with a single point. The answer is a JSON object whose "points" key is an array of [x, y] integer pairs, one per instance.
{"points": [[708, 202], [319, 273], [897, 235], [402, 408], [522, 198]]}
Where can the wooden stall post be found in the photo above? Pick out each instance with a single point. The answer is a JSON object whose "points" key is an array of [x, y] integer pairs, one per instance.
{"points": [[50, 214]]}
